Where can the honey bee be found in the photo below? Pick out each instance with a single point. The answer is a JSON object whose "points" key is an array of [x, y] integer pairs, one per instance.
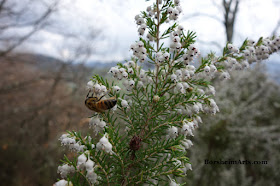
{"points": [[96, 104]]}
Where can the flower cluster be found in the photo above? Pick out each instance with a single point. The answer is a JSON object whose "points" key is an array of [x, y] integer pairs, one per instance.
{"points": [[96, 89], [126, 74], [139, 51], [157, 109], [97, 124], [104, 144], [71, 142], [86, 163], [65, 169]]}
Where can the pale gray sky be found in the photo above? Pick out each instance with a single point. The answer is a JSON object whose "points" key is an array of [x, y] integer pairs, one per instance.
{"points": [[115, 20]]}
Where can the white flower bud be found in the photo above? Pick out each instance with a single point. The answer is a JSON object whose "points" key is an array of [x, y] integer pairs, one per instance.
{"points": [[179, 86], [207, 69], [131, 63], [213, 68], [172, 132], [116, 88], [178, 73], [156, 98], [124, 103], [173, 77], [102, 124], [137, 17], [89, 165], [63, 183], [131, 83], [97, 88], [170, 10], [81, 160], [140, 21], [90, 85], [125, 74], [225, 75]]}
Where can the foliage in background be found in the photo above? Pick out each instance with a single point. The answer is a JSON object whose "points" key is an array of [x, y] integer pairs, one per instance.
{"points": [[247, 129]]}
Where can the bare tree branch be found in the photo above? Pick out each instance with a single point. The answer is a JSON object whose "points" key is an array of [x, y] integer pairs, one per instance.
{"points": [[37, 25], [274, 32]]}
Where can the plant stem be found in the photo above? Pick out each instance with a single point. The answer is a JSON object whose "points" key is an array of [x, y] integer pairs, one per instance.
{"points": [[158, 25]]}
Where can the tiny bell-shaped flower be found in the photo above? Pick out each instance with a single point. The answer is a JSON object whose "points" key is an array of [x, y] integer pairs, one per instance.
{"points": [[116, 88], [97, 88], [172, 132], [124, 103], [63, 183], [89, 165], [156, 98], [90, 85], [173, 77], [81, 161]]}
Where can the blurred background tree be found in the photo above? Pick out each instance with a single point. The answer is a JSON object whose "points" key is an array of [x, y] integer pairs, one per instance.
{"points": [[40, 95], [247, 128]]}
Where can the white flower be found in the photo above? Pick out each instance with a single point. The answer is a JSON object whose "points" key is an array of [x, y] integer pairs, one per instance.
{"points": [[166, 55], [211, 89], [137, 17], [90, 85], [173, 77], [207, 69], [179, 86], [103, 89], [195, 109], [172, 132], [189, 166], [81, 161], [92, 176], [89, 165], [176, 39], [124, 103], [125, 83], [140, 21], [170, 10], [140, 44], [213, 68], [186, 85], [156, 98], [108, 148], [97, 124], [191, 68], [131, 83], [130, 70], [187, 143], [131, 63], [225, 75], [104, 144], [178, 73], [116, 88], [186, 130], [140, 84], [65, 169], [63, 183], [97, 88], [150, 37]]}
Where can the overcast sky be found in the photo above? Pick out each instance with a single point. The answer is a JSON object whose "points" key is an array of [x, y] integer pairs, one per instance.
{"points": [[114, 21]]}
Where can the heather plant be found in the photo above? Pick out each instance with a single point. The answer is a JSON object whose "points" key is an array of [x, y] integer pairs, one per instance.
{"points": [[143, 139]]}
